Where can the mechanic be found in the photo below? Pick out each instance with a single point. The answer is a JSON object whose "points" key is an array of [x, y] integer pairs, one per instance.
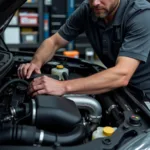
{"points": [[119, 32]]}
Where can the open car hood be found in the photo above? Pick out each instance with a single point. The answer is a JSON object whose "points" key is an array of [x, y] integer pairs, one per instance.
{"points": [[7, 10]]}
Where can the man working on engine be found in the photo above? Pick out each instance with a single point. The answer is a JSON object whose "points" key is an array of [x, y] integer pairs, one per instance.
{"points": [[107, 24]]}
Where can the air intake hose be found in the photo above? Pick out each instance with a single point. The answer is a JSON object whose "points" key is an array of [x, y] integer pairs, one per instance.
{"points": [[29, 135]]}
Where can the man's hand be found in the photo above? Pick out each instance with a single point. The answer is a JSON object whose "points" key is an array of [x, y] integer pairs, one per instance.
{"points": [[46, 85], [26, 70]]}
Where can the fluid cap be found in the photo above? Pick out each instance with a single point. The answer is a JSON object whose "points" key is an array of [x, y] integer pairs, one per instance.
{"points": [[135, 120], [59, 66], [108, 131]]}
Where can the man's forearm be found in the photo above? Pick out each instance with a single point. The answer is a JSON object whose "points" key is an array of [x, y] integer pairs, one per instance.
{"points": [[98, 83], [44, 53]]}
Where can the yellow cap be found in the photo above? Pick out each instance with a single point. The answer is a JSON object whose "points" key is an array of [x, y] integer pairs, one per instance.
{"points": [[108, 131], [59, 66]]}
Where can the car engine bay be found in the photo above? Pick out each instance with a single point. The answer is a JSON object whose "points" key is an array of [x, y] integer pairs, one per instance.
{"points": [[69, 120]]}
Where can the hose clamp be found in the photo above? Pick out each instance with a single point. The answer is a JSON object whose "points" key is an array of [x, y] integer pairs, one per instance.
{"points": [[95, 119], [13, 111], [41, 138], [111, 108]]}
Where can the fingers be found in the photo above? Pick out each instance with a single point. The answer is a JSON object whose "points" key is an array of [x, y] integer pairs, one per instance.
{"points": [[36, 82], [38, 71], [21, 70], [46, 85], [40, 92], [30, 71], [18, 72], [33, 89], [26, 70], [36, 87]]}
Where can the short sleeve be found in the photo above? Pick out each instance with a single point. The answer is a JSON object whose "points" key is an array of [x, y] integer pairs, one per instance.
{"points": [[136, 43], [74, 24]]}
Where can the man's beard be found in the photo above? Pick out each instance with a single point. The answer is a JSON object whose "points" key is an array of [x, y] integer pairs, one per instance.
{"points": [[102, 15], [105, 13]]}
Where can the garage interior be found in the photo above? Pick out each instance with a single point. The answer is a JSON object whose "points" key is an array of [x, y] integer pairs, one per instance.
{"points": [[37, 20]]}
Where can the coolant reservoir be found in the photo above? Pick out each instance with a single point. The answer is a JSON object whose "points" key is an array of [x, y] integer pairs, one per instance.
{"points": [[103, 132], [60, 71]]}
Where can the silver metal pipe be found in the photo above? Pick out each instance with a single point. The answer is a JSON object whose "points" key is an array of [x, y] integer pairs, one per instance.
{"points": [[33, 111], [87, 103]]}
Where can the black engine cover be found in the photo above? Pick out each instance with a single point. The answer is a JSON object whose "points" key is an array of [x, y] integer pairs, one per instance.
{"points": [[56, 113]]}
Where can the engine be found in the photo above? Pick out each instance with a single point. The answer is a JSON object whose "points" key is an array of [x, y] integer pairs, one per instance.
{"points": [[69, 120]]}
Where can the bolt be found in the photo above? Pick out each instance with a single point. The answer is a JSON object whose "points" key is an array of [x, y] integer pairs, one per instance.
{"points": [[107, 141]]}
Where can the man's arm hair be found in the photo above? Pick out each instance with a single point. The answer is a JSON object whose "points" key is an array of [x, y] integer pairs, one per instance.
{"points": [[48, 48], [107, 80]]}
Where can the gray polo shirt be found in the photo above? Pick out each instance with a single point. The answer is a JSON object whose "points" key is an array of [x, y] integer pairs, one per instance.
{"points": [[136, 42]]}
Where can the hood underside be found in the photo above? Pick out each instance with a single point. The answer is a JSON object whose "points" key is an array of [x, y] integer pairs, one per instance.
{"points": [[7, 9]]}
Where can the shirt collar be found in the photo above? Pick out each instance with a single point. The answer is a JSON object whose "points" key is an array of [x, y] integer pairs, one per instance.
{"points": [[119, 14]]}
